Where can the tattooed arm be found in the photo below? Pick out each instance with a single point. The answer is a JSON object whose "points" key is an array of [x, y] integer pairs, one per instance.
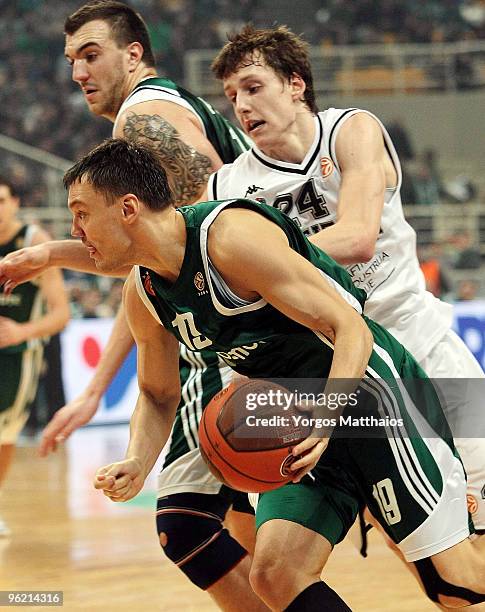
{"points": [[177, 135]]}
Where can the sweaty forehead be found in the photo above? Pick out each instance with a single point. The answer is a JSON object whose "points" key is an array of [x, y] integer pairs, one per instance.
{"points": [[96, 32]]}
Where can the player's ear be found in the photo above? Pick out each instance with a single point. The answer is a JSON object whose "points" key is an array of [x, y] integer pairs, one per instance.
{"points": [[135, 55], [130, 208], [297, 86]]}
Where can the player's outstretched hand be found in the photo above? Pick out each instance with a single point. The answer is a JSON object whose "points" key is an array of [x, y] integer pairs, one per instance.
{"points": [[21, 266], [308, 452], [66, 420], [120, 481]]}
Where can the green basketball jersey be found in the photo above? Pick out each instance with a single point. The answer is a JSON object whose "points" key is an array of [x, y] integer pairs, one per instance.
{"points": [[24, 303], [253, 338], [414, 456], [227, 139]]}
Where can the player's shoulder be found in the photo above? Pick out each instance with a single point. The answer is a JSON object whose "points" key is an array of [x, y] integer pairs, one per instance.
{"points": [[236, 228], [334, 116]]}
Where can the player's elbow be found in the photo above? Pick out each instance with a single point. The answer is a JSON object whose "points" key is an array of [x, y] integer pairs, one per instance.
{"points": [[163, 396], [354, 330], [362, 249]]}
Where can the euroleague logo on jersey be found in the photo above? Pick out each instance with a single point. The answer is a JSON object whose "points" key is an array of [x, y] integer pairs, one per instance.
{"points": [[147, 283], [199, 281], [472, 504], [326, 164]]}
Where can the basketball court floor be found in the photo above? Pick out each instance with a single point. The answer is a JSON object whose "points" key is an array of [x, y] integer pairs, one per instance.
{"points": [[105, 556]]}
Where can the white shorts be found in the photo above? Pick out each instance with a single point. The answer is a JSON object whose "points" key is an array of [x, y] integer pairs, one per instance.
{"points": [[449, 359], [187, 474]]}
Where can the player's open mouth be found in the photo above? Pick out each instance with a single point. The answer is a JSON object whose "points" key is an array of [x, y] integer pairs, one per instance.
{"points": [[89, 93], [253, 125], [91, 250]]}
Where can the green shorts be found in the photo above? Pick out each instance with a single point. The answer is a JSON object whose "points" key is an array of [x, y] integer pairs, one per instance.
{"points": [[19, 378], [413, 484]]}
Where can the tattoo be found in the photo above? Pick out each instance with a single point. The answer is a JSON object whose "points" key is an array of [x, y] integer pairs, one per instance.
{"points": [[187, 170]]}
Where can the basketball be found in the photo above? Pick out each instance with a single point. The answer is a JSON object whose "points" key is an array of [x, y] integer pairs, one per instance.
{"points": [[249, 447]]}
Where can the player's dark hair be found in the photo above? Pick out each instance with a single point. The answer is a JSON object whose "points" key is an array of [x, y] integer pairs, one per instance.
{"points": [[282, 50], [117, 167], [126, 25], [8, 183]]}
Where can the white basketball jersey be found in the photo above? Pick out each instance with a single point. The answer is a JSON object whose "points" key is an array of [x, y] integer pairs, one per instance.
{"points": [[308, 193]]}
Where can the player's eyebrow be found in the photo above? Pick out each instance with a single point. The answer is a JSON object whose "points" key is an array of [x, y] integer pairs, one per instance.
{"points": [[72, 204], [81, 48], [241, 82]]}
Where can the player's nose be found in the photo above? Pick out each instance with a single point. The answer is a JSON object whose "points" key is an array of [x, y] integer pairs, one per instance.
{"points": [[76, 231], [79, 71], [241, 105]]}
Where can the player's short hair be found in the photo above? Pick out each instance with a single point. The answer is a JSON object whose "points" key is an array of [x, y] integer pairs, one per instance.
{"points": [[11, 187], [283, 51], [117, 167], [126, 25]]}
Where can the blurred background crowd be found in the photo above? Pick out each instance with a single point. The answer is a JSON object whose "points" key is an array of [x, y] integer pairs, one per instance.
{"points": [[41, 106]]}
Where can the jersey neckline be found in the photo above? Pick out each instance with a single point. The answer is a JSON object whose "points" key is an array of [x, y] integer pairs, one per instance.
{"points": [[307, 162]]}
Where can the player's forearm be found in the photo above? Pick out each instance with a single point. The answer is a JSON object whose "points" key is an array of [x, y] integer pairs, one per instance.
{"points": [[150, 428], [73, 255], [70, 254], [115, 352], [352, 349], [345, 244]]}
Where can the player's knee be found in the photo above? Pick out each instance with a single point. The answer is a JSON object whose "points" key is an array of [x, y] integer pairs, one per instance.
{"points": [[269, 577], [197, 543]]}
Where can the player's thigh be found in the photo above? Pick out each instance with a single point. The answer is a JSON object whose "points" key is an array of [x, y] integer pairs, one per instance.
{"points": [[320, 508]]}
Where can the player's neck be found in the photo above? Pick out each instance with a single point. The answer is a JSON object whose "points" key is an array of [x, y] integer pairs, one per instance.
{"points": [[140, 73], [294, 144], [7, 233], [160, 243], [132, 80]]}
